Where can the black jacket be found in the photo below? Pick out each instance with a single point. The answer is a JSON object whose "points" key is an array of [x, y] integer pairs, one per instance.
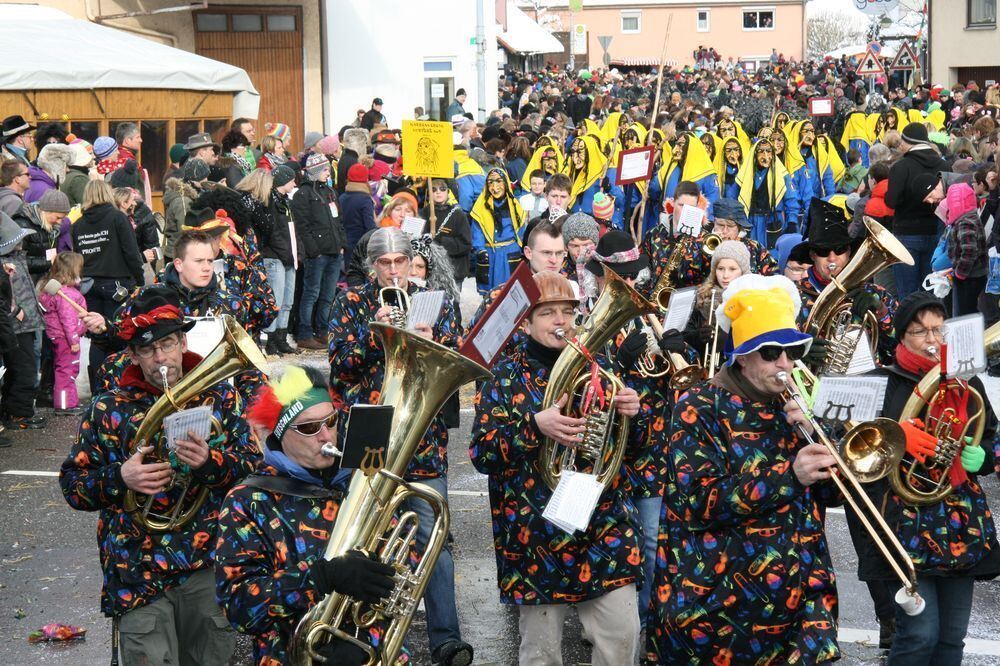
{"points": [[320, 231], [147, 227], [348, 158], [913, 216], [275, 241], [104, 236], [371, 118], [37, 243], [453, 234], [357, 263]]}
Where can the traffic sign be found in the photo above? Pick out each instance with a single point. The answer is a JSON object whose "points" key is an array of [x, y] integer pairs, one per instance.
{"points": [[870, 65], [905, 60], [604, 41]]}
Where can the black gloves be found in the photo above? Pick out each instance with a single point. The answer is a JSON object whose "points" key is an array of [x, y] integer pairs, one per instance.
{"points": [[631, 349], [672, 341], [354, 574], [343, 653], [863, 302], [816, 355], [482, 267]]}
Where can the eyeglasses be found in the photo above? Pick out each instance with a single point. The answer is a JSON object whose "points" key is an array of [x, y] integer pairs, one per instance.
{"points": [[772, 353], [925, 333], [167, 346], [551, 254], [310, 428], [398, 262], [23, 174], [839, 249]]}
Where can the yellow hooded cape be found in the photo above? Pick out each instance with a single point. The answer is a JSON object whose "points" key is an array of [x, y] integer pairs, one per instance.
{"points": [[828, 156], [775, 180], [536, 163], [482, 210], [594, 169], [697, 165], [792, 159], [720, 156], [856, 127]]}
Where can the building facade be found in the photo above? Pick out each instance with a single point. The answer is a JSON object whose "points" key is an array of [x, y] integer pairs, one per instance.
{"points": [[964, 42]]}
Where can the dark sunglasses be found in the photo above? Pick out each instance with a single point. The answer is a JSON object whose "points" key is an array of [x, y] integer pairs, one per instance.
{"points": [[310, 428], [772, 353], [439, 188], [839, 249]]}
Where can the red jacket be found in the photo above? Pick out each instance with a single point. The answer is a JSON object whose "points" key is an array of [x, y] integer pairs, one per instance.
{"points": [[876, 206]]}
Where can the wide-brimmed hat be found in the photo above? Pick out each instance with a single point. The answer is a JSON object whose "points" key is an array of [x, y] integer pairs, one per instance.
{"points": [[758, 311], [15, 126], [205, 219], [201, 140], [617, 251], [155, 313], [732, 210], [10, 234]]}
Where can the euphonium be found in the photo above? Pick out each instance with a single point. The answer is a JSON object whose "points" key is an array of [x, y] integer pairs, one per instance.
{"points": [[235, 353], [604, 441], [397, 300], [420, 375], [925, 483], [830, 317]]}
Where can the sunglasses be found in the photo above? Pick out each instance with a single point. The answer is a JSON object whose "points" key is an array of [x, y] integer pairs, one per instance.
{"points": [[310, 428], [439, 188], [839, 249], [772, 353]]}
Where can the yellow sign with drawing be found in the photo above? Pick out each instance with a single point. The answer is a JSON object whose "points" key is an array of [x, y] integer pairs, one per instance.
{"points": [[427, 149]]}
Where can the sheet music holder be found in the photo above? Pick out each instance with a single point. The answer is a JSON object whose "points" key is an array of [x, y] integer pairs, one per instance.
{"points": [[496, 327], [368, 427]]}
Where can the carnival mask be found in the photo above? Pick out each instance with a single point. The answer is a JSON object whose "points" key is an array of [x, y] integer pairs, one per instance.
{"points": [[709, 143], [631, 139], [765, 155], [496, 186], [578, 153], [549, 164], [727, 128], [733, 153], [680, 147], [891, 120], [780, 120], [807, 135], [778, 140], [765, 132]]}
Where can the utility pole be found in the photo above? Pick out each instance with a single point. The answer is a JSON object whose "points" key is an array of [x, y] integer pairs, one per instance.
{"points": [[481, 61]]}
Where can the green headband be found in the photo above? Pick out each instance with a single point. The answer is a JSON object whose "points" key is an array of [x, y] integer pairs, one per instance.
{"points": [[313, 396]]}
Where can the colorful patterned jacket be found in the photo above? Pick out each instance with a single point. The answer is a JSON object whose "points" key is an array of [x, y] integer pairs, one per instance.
{"points": [[743, 572], [140, 566], [537, 562], [267, 542], [357, 364]]}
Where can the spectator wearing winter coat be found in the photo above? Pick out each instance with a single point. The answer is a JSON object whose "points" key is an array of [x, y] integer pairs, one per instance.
{"points": [[42, 219], [144, 224], [451, 229], [78, 172], [63, 328], [48, 171], [281, 257], [178, 198], [966, 249], [316, 218], [357, 210], [354, 145], [14, 181]]}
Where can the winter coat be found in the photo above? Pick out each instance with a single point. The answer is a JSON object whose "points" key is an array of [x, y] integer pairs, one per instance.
{"points": [[357, 214], [321, 232], [10, 201], [877, 207], [454, 234], [41, 182], [38, 243], [140, 566], [357, 360], [25, 297], [966, 235], [62, 322], [147, 227], [178, 197], [913, 216], [76, 181], [8, 338], [348, 158], [278, 241], [105, 238]]}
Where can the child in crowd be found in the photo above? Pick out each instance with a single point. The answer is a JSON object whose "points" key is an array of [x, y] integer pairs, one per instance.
{"points": [[534, 203], [64, 328], [856, 172]]}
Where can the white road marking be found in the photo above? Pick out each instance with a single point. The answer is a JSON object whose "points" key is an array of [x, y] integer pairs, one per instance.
{"points": [[28, 472], [977, 646], [836, 509], [468, 493]]}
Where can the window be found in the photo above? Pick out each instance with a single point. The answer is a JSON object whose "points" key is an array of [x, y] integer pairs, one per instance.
{"points": [[703, 20], [982, 13], [211, 22], [281, 22], [631, 22], [185, 129], [247, 23], [87, 130], [217, 127], [437, 66], [154, 149], [758, 19]]}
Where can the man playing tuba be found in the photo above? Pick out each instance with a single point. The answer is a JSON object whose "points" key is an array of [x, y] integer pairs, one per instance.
{"points": [[158, 586]]}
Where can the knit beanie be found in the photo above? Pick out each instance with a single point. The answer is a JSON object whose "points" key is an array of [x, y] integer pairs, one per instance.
{"points": [[358, 173], [923, 183], [734, 250], [195, 169], [125, 176], [312, 138], [104, 146], [279, 131], [54, 201], [580, 225], [282, 175], [177, 153], [908, 308], [328, 145], [604, 206], [315, 164]]}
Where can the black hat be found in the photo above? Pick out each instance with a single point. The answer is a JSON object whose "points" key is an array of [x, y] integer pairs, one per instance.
{"points": [[282, 175], [377, 101], [126, 176], [916, 133], [15, 126], [923, 183], [617, 251], [204, 219], [827, 226], [908, 308], [154, 313], [460, 92]]}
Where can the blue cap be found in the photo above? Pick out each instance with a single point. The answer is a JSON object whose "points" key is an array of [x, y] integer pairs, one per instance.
{"points": [[731, 209], [104, 146]]}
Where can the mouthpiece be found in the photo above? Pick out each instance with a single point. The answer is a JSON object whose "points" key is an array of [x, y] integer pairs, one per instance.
{"points": [[163, 375], [560, 333], [932, 350], [330, 450], [831, 267]]}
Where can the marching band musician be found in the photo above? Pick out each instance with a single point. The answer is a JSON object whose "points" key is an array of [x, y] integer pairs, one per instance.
{"points": [[743, 571], [660, 242], [952, 542], [540, 568], [158, 587], [830, 250], [356, 373], [274, 525], [731, 223]]}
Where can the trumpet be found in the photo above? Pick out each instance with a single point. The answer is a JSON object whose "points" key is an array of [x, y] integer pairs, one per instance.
{"points": [[397, 300], [654, 363], [709, 243], [870, 449]]}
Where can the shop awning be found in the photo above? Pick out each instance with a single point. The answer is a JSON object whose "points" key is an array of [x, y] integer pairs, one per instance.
{"points": [[635, 62], [523, 35]]}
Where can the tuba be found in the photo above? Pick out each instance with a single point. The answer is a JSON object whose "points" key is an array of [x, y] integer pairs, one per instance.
{"points": [[397, 300], [606, 432], [420, 375], [235, 353], [830, 317], [921, 483]]}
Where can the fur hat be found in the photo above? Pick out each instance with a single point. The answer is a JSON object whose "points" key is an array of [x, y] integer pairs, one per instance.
{"points": [[735, 250], [54, 158], [356, 139]]}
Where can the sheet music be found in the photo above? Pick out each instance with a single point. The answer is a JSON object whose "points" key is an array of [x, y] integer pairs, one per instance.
{"points": [[862, 362], [691, 220], [842, 398], [205, 335], [966, 347], [573, 501], [425, 308], [679, 309], [495, 330], [197, 420], [413, 226]]}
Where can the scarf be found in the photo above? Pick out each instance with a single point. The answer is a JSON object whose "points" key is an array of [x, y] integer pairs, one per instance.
{"points": [[730, 378], [912, 362], [545, 356]]}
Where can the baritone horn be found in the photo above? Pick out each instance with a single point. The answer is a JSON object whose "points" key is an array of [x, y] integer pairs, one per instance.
{"points": [[397, 300], [420, 375], [235, 353]]}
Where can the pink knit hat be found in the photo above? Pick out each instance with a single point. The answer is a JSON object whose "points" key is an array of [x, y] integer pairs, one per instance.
{"points": [[328, 145], [604, 206]]}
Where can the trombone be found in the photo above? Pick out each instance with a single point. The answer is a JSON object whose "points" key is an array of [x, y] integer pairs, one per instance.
{"points": [[711, 356], [883, 441]]}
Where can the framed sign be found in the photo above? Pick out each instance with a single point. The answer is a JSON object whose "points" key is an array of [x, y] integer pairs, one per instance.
{"points": [[821, 106], [635, 165], [497, 326]]}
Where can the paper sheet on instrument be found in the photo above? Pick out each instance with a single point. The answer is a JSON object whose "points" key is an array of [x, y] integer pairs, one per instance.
{"points": [[197, 420], [507, 315], [425, 308], [679, 309], [966, 350], [573, 502], [862, 362], [691, 221], [842, 398], [413, 226], [205, 335]]}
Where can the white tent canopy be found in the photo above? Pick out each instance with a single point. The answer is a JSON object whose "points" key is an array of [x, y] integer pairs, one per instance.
{"points": [[525, 36], [46, 49]]}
